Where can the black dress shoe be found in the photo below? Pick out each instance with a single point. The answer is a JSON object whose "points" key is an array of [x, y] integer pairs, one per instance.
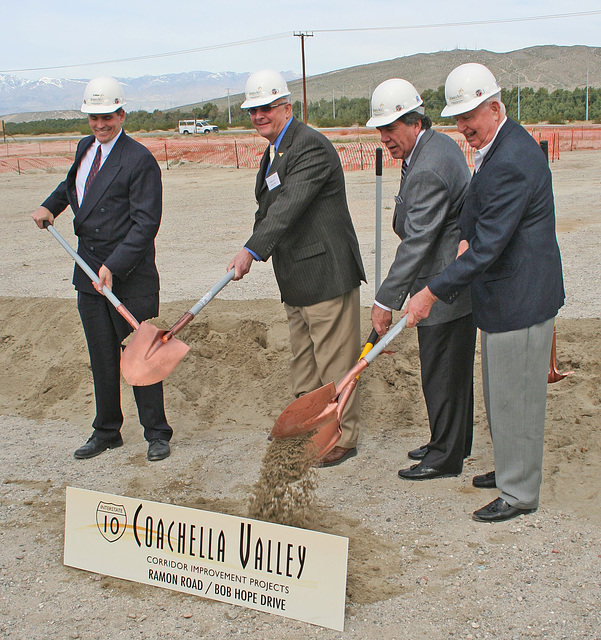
{"points": [[485, 481], [498, 511], [95, 446], [158, 450], [419, 453], [421, 472]]}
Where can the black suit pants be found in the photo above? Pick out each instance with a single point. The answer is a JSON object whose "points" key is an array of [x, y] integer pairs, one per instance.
{"points": [[105, 330], [446, 353]]}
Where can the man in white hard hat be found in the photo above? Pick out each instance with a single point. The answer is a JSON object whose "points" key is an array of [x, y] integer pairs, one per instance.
{"points": [[435, 177], [304, 225], [115, 192], [510, 257]]}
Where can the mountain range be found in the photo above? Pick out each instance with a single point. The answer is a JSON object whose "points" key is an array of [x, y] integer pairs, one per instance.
{"points": [[20, 96], [548, 66]]}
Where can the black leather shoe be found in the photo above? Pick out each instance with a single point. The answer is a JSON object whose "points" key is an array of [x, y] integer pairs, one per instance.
{"points": [[485, 481], [95, 446], [498, 511], [158, 450], [419, 453], [421, 472]]}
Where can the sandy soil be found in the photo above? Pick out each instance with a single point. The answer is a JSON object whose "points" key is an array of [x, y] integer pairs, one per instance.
{"points": [[419, 567]]}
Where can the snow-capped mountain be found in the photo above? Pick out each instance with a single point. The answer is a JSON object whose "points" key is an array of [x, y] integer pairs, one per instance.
{"points": [[18, 95]]}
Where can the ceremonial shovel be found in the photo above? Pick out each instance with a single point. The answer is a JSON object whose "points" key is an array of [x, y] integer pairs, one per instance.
{"points": [[152, 354], [84, 265], [321, 410]]}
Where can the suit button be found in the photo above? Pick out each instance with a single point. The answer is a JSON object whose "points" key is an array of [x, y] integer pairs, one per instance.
{"points": [[91, 248], [102, 210], [96, 230]]}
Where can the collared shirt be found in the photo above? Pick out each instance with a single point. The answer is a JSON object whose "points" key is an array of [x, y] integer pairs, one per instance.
{"points": [[481, 153], [407, 160], [277, 141], [86, 163]]}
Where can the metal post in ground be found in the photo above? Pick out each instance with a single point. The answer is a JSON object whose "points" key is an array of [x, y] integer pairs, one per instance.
{"points": [[378, 278]]}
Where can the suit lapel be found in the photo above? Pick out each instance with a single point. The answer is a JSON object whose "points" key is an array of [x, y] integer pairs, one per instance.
{"points": [[285, 143], [504, 131], [418, 149], [106, 175], [82, 149]]}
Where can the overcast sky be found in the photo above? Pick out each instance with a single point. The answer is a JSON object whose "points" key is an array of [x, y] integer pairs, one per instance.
{"points": [[57, 36]]}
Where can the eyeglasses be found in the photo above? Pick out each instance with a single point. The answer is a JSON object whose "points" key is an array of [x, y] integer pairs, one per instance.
{"points": [[266, 109]]}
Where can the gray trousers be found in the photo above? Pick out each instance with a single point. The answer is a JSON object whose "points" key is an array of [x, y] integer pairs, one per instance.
{"points": [[515, 367]]}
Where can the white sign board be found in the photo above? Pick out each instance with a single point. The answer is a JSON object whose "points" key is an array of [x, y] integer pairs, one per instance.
{"points": [[295, 573]]}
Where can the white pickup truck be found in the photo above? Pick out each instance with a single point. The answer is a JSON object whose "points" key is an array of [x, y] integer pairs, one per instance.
{"points": [[196, 126]]}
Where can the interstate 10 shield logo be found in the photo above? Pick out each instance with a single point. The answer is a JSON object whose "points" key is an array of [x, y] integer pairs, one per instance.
{"points": [[111, 520]]}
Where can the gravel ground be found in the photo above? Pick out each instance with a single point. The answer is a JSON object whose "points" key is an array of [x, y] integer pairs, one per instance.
{"points": [[419, 567]]}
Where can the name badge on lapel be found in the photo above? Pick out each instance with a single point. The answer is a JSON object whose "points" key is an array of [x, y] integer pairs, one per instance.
{"points": [[273, 181]]}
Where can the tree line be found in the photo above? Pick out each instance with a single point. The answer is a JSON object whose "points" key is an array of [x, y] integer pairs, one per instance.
{"points": [[556, 107]]}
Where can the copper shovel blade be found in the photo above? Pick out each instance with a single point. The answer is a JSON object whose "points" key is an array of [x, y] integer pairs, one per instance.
{"points": [[297, 417], [147, 359], [325, 438]]}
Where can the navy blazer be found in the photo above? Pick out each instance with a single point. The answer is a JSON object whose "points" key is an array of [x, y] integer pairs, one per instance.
{"points": [[118, 219], [513, 262], [303, 221]]}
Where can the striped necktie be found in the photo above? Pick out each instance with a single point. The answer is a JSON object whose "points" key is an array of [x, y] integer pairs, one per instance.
{"points": [[94, 168], [403, 170]]}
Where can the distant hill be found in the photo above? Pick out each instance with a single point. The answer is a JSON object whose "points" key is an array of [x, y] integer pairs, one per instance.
{"points": [[548, 66]]}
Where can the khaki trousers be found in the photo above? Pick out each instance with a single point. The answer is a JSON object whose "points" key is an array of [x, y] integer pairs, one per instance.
{"points": [[325, 339]]}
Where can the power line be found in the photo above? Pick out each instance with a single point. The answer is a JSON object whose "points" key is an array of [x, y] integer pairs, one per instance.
{"points": [[462, 24], [286, 34], [274, 36]]}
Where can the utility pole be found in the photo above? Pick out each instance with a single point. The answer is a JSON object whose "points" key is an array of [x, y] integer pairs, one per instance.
{"points": [[302, 35], [333, 106], [229, 110], [518, 96]]}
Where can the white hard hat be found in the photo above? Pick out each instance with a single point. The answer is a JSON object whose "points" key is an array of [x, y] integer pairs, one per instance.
{"points": [[103, 95], [393, 99], [264, 87], [467, 86]]}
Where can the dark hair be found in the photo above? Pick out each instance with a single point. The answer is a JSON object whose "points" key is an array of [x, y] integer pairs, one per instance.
{"points": [[413, 116]]}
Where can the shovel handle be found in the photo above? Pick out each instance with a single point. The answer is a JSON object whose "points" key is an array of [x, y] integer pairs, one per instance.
{"points": [[386, 339], [93, 276], [189, 315]]}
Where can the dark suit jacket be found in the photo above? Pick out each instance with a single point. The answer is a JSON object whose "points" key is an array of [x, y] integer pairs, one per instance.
{"points": [[508, 217], [425, 218], [118, 219], [304, 223]]}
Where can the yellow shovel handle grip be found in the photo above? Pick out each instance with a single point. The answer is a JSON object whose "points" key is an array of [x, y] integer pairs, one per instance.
{"points": [[373, 338]]}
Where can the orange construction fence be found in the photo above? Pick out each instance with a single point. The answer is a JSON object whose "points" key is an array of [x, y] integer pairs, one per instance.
{"points": [[246, 150]]}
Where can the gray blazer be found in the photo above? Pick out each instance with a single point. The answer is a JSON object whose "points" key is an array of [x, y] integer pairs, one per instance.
{"points": [[425, 218], [303, 223]]}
